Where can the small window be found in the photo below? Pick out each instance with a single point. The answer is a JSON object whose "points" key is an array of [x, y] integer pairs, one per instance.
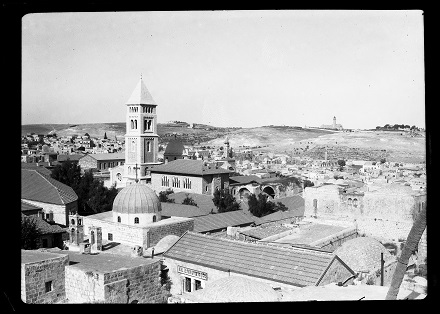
{"points": [[119, 218], [110, 237], [72, 222], [198, 284], [136, 220], [48, 286], [154, 218]]}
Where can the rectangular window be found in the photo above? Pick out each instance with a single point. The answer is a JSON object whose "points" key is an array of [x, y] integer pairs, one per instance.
{"points": [[198, 284], [48, 286], [187, 284], [110, 236]]}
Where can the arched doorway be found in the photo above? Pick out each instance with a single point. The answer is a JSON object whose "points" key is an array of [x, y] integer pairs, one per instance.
{"points": [[243, 193], [269, 191]]}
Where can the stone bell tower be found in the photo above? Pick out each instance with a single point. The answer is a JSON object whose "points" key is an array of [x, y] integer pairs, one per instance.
{"points": [[76, 230], [334, 122], [141, 139]]}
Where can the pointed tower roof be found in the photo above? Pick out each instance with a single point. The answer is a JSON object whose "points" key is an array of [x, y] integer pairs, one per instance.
{"points": [[141, 95]]}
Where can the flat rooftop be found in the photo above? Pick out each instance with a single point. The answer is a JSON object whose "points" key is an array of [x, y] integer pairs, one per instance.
{"points": [[32, 256], [108, 216], [310, 233], [105, 262]]}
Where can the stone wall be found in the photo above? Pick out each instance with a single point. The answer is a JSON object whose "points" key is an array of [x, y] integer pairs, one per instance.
{"points": [[131, 235], [60, 212], [139, 284], [337, 272], [88, 162], [157, 233], [374, 276], [34, 276]]}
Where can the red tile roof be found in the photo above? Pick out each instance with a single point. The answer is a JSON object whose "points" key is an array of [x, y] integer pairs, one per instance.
{"points": [[293, 266], [38, 187], [188, 167]]}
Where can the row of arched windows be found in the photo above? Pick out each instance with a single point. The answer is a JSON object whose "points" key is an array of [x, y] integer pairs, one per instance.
{"points": [[147, 109], [133, 109], [352, 202], [136, 219], [175, 182], [186, 183], [165, 181], [134, 124]]}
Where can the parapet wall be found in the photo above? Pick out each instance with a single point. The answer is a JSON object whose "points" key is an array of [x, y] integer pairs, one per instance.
{"points": [[140, 284], [335, 240]]}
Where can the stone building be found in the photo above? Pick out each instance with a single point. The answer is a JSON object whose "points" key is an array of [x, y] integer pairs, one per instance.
{"points": [[197, 259], [101, 162], [391, 201], [141, 139], [174, 150], [56, 199], [191, 176], [42, 276], [136, 219]]}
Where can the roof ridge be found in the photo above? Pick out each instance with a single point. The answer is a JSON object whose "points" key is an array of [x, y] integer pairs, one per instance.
{"points": [[56, 188]]}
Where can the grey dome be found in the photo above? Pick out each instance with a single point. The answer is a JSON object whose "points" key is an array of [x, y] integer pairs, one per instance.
{"points": [[174, 147], [136, 198]]}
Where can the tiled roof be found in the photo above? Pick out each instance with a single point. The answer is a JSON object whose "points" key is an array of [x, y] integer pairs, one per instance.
{"points": [[180, 210], [41, 188], [298, 267], [72, 157], [43, 226], [25, 206], [218, 221], [203, 201], [109, 156], [187, 166], [33, 166], [244, 179]]}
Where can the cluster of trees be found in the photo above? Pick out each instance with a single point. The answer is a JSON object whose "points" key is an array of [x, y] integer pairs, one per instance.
{"points": [[397, 126], [29, 233], [91, 192], [225, 201]]}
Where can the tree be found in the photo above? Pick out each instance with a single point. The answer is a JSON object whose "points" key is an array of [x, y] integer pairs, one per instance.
{"points": [[308, 183], [341, 164], [411, 243], [87, 134], [29, 233], [224, 201], [259, 206], [188, 200], [383, 160], [68, 173], [163, 196]]}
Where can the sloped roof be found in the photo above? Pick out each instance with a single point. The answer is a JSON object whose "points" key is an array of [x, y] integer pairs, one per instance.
{"points": [[41, 188], [174, 147], [25, 206], [109, 156], [43, 226], [33, 166], [245, 179], [72, 157], [298, 267], [141, 95], [187, 167], [181, 210], [203, 201], [213, 222]]}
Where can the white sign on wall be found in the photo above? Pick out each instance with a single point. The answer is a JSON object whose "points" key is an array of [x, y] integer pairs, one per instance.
{"points": [[191, 272]]}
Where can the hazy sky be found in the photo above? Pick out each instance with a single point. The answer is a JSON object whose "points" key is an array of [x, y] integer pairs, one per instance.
{"points": [[227, 68]]}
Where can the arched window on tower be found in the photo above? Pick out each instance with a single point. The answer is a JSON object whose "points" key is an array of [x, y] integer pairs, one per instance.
{"points": [[132, 124], [349, 202], [154, 218], [148, 147], [136, 220], [135, 124], [355, 202]]}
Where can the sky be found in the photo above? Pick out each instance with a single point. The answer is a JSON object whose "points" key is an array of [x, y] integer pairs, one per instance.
{"points": [[227, 68]]}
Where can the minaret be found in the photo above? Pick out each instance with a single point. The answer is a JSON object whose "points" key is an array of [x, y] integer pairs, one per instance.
{"points": [[334, 122], [141, 139]]}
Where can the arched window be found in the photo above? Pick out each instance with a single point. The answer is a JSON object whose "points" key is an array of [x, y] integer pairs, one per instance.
{"points": [[135, 124], [72, 222], [148, 147], [92, 237], [79, 222], [176, 182], [133, 145], [119, 218], [154, 218], [349, 202], [132, 124], [355, 202], [136, 220], [129, 170]]}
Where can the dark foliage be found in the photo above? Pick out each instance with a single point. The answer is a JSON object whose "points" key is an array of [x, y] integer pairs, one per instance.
{"points": [[29, 234], [163, 196], [224, 201], [189, 201]]}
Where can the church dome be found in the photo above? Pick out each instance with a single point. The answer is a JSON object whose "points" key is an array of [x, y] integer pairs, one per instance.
{"points": [[174, 147], [136, 198]]}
